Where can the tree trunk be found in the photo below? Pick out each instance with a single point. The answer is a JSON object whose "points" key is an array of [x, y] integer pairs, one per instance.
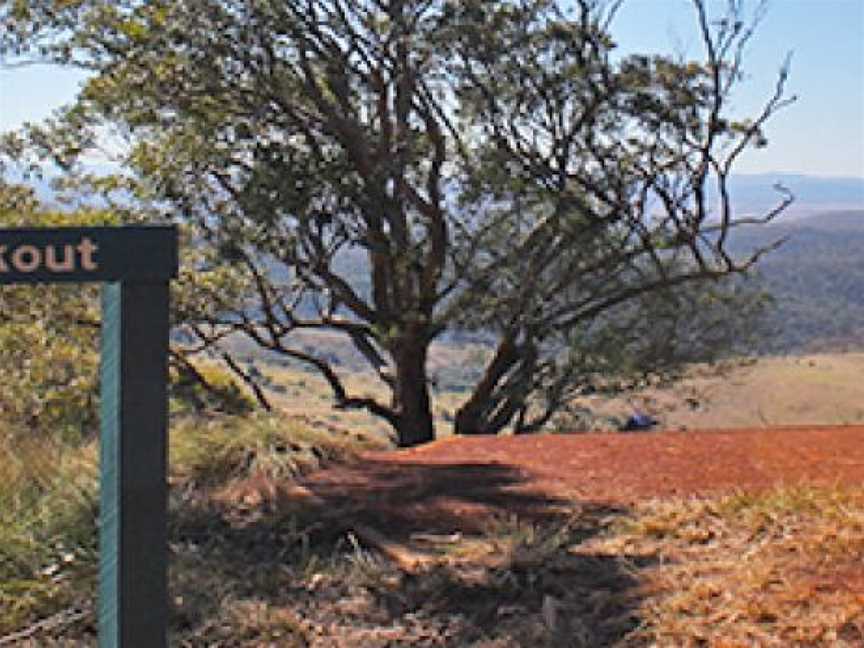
{"points": [[411, 395], [473, 416]]}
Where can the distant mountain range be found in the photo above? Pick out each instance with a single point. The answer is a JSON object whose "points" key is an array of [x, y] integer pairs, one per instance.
{"points": [[751, 193], [813, 194], [816, 278]]}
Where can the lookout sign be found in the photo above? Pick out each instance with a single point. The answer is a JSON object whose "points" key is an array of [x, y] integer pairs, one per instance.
{"points": [[135, 264], [88, 254]]}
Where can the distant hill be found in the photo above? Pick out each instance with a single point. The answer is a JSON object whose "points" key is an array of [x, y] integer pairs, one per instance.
{"points": [[755, 193], [751, 193], [845, 221], [816, 278]]}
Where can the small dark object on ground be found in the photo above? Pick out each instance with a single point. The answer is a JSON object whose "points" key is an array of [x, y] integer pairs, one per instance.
{"points": [[639, 421]]}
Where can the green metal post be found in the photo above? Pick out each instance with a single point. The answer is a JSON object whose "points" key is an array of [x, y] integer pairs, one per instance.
{"points": [[133, 582]]}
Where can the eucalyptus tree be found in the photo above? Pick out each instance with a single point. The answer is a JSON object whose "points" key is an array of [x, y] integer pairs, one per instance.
{"points": [[492, 163], [601, 210], [46, 343], [49, 334]]}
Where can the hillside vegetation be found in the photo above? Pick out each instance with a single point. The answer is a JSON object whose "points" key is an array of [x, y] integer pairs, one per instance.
{"points": [[816, 280]]}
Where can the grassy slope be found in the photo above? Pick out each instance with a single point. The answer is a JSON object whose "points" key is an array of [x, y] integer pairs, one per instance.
{"points": [[780, 569], [815, 389], [49, 503], [795, 390]]}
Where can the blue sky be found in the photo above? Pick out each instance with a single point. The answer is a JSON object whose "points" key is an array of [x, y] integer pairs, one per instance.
{"points": [[821, 134]]}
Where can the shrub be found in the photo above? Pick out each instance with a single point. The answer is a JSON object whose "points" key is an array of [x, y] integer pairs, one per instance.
{"points": [[220, 393]]}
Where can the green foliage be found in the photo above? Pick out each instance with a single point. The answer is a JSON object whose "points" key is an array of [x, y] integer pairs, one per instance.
{"points": [[48, 337], [51, 375], [498, 170], [221, 392]]}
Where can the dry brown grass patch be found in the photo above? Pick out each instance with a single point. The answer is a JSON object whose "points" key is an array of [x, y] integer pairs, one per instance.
{"points": [[779, 569]]}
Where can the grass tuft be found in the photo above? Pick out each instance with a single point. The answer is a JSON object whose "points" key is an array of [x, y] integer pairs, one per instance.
{"points": [[49, 513], [213, 451], [48, 521], [778, 568]]}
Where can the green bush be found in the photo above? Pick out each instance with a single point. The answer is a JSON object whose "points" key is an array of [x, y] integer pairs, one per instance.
{"points": [[49, 336], [51, 367]]}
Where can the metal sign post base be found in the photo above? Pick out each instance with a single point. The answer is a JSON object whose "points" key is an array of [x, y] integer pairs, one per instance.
{"points": [[133, 588]]}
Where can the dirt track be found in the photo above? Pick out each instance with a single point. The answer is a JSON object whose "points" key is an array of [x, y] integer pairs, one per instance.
{"points": [[624, 467], [456, 482]]}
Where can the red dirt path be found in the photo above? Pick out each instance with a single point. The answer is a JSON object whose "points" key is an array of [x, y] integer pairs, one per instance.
{"points": [[626, 467], [454, 482]]}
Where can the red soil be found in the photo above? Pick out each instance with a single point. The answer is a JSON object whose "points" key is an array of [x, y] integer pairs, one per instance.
{"points": [[456, 482], [625, 467]]}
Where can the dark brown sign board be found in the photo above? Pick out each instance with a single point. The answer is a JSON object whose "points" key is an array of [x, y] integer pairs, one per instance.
{"points": [[81, 254], [135, 264]]}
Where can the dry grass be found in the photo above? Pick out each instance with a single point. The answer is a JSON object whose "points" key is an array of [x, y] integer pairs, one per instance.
{"points": [[779, 569], [49, 509], [213, 450], [817, 389], [304, 394], [782, 568], [776, 569], [820, 389]]}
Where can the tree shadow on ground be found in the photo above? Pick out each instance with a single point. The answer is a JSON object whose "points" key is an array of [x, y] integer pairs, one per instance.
{"points": [[298, 557], [404, 498]]}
